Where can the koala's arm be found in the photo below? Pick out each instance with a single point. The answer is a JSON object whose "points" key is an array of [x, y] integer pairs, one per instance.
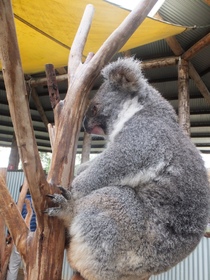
{"points": [[83, 166], [109, 168]]}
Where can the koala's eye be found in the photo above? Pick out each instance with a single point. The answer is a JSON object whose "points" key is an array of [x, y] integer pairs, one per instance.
{"points": [[94, 111]]}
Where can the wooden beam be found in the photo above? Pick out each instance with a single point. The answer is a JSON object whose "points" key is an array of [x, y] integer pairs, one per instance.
{"points": [[61, 70], [153, 63], [199, 83], [205, 41], [183, 96], [174, 45], [178, 50], [34, 82], [160, 62], [39, 107]]}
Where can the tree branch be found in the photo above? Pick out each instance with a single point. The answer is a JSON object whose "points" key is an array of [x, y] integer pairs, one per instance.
{"points": [[19, 109], [12, 217], [75, 56], [74, 105]]}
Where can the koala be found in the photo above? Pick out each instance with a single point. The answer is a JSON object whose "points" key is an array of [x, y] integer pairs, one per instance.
{"points": [[141, 206]]}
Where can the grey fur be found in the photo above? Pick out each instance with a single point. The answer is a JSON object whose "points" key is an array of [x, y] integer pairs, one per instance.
{"points": [[142, 205]]}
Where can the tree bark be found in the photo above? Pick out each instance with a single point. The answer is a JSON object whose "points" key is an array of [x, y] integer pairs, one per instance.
{"points": [[42, 253], [183, 96]]}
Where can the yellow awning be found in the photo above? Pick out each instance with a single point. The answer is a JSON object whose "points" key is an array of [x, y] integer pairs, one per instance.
{"points": [[46, 29]]}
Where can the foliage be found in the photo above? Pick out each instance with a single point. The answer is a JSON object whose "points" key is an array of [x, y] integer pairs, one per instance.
{"points": [[46, 160]]}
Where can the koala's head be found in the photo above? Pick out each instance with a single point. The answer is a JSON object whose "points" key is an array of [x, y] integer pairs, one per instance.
{"points": [[123, 80]]}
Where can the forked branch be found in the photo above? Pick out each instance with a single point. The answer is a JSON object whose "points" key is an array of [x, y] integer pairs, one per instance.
{"points": [[82, 78]]}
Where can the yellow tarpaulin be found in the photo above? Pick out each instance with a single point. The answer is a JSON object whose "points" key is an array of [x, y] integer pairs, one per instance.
{"points": [[46, 29]]}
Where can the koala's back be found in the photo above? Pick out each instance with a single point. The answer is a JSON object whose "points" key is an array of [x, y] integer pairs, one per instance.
{"points": [[134, 230], [142, 205]]}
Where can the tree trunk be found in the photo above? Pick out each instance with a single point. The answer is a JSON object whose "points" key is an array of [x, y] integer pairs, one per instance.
{"points": [[43, 252]]}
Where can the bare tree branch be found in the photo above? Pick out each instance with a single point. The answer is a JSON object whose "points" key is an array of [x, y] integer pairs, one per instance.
{"points": [[75, 56], [75, 102], [18, 104], [9, 210]]}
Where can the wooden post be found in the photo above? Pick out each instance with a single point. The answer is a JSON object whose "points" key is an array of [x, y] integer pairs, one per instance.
{"points": [[86, 147], [52, 85], [183, 96]]}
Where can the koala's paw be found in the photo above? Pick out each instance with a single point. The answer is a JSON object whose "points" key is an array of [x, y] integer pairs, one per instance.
{"points": [[62, 200], [66, 193]]}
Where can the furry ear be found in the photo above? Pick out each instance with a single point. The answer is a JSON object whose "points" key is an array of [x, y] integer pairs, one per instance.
{"points": [[124, 74]]}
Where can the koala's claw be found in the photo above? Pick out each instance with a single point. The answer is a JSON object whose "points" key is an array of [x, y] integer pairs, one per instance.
{"points": [[66, 193], [58, 199], [51, 211], [50, 195], [61, 201]]}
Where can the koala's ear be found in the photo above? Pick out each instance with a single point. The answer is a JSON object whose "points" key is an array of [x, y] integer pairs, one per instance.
{"points": [[124, 74]]}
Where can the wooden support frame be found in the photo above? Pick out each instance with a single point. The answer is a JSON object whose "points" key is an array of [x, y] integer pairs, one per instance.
{"points": [[178, 50], [183, 96], [148, 64], [205, 41]]}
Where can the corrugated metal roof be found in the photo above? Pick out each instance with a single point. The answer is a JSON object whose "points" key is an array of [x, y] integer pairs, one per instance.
{"points": [[176, 10], [185, 12]]}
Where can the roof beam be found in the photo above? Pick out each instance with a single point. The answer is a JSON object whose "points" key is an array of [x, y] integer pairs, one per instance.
{"points": [[39, 107], [199, 83], [160, 62], [153, 63], [178, 50], [61, 70], [205, 41]]}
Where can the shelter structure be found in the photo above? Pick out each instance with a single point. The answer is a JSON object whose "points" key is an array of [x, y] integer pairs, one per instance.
{"points": [[44, 37]]}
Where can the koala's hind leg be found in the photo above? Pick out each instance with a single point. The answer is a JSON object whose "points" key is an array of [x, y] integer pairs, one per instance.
{"points": [[106, 235]]}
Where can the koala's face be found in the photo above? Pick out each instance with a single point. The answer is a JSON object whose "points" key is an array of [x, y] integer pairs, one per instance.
{"points": [[99, 112], [122, 81]]}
